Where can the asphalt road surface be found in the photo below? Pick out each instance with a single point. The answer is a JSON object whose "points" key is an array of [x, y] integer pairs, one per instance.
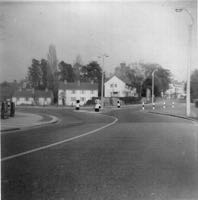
{"points": [[141, 156]]}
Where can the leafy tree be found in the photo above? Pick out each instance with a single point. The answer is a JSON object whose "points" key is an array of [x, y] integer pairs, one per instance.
{"points": [[65, 72], [35, 74], [139, 75], [45, 73], [162, 78], [52, 59], [77, 68]]}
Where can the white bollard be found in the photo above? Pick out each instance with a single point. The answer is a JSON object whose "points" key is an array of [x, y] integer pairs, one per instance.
{"points": [[173, 104], [153, 106], [143, 105], [164, 106]]}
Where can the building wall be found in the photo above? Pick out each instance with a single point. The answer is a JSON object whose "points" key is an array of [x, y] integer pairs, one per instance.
{"points": [[70, 96], [23, 100], [117, 88], [44, 101]]}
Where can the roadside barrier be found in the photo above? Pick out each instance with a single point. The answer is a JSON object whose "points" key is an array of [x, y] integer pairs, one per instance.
{"points": [[164, 106], [153, 106], [143, 105]]}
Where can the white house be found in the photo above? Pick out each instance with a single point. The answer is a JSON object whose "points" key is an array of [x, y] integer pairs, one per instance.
{"points": [[115, 87], [68, 92], [32, 97], [43, 97], [21, 97]]}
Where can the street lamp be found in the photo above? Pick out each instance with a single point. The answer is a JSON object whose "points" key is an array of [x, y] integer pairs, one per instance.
{"points": [[102, 82], [153, 73], [190, 27]]}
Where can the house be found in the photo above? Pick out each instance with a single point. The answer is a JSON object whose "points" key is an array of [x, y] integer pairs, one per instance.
{"points": [[69, 92], [115, 87], [43, 97], [32, 97], [23, 97]]}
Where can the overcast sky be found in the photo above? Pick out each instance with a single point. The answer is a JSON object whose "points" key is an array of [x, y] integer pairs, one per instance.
{"points": [[130, 31]]}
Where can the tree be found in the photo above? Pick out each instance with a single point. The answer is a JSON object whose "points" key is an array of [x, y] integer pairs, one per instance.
{"points": [[52, 59], [35, 74], [45, 73], [53, 72], [162, 78], [65, 72], [77, 68], [194, 84], [139, 75]]}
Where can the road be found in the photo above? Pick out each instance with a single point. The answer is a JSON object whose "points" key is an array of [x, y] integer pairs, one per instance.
{"points": [[141, 156]]}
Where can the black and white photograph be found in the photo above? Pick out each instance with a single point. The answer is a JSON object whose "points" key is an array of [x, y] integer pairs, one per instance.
{"points": [[99, 100]]}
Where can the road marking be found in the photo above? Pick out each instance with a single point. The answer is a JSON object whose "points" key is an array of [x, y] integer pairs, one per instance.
{"points": [[61, 142]]}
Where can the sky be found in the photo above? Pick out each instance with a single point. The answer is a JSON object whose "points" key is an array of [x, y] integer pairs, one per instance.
{"points": [[127, 31]]}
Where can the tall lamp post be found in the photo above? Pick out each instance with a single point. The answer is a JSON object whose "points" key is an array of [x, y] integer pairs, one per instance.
{"points": [[102, 81], [153, 74], [190, 27]]}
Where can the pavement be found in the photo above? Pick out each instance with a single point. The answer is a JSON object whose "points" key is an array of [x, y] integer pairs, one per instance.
{"points": [[23, 120], [176, 109]]}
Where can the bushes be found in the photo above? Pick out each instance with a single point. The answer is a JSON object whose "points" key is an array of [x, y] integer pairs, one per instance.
{"points": [[196, 103], [130, 100], [91, 102]]}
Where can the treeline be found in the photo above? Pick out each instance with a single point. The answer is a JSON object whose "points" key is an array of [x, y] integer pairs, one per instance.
{"points": [[139, 75], [46, 73]]}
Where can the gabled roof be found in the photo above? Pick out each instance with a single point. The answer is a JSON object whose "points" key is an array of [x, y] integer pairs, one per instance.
{"points": [[78, 86], [116, 77]]}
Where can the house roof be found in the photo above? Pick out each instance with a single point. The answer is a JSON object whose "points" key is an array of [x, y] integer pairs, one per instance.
{"points": [[23, 93], [30, 93], [41, 93], [116, 77], [78, 86]]}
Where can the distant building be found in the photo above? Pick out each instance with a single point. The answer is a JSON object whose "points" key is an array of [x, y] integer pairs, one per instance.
{"points": [[115, 87], [176, 89], [69, 92], [23, 97], [44, 97], [33, 97]]}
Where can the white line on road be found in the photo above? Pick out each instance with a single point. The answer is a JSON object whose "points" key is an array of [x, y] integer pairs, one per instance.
{"points": [[60, 142]]}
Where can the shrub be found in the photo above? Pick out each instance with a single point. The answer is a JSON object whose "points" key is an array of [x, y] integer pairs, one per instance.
{"points": [[130, 100], [196, 103]]}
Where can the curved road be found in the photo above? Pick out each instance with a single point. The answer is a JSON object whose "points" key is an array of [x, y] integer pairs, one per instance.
{"points": [[141, 156]]}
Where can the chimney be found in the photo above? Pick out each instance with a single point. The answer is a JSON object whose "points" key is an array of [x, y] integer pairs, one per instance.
{"points": [[78, 82], [65, 82]]}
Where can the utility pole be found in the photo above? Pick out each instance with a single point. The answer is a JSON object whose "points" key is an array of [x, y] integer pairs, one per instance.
{"points": [[153, 84], [190, 28], [102, 81]]}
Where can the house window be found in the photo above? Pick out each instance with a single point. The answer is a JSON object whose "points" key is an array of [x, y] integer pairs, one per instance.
{"points": [[111, 85], [73, 91], [92, 91], [82, 92]]}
